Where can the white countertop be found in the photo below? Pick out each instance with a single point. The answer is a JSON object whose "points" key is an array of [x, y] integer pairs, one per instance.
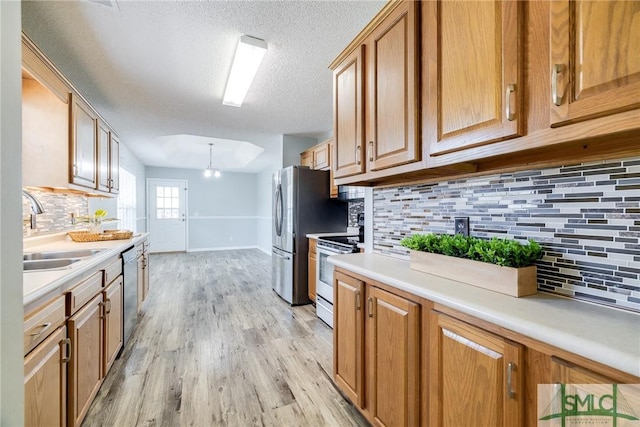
{"points": [[606, 335], [39, 283]]}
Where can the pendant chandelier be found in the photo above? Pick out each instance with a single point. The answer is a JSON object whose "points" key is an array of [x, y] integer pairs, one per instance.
{"points": [[210, 170]]}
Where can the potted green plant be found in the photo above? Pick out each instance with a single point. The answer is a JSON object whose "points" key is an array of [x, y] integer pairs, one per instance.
{"points": [[501, 265]]}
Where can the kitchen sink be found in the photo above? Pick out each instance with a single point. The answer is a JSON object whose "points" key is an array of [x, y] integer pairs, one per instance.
{"points": [[51, 255], [48, 264]]}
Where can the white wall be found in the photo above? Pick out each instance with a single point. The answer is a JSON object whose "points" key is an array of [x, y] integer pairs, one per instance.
{"points": [[292, 146], [11, 314], [221, 211], [131, 163]]}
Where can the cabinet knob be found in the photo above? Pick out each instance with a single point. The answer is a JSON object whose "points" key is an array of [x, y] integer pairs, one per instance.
{"points": [[370, 306], [357, 300], [358, 161], [511, 394], [67, 346], [371, 151]]}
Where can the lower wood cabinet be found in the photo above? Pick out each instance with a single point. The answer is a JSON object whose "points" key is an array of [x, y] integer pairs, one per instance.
{"points": [[312, 267], [348, 336], [476, 378], [377, 351], [45, 382], [392, 359], [86, 330], [113, 322]]}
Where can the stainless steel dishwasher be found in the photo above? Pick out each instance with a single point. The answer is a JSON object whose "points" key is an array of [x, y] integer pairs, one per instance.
{"points": [[130, 272]]}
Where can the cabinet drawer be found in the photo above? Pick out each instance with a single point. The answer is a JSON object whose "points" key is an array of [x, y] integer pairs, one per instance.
{"points": [[83, 293], [39, 325], [112, 271]]}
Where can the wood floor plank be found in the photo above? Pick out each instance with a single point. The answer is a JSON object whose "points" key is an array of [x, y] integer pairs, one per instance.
{"points": [[215, 346]]}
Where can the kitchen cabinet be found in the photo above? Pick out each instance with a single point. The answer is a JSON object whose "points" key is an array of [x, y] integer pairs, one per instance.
{"points": [[108, 159], [143, 271], [84, 122], [312, 262], [377, 98], [595, 69], [470, 367], [377, 351], [113, 322], [474, 73], [66, 145], [45, 381], [86, 331], [319, 157], [392, 359], [348, 336]]}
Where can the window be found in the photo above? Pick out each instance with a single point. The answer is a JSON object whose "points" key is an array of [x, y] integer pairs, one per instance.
{"points": [[127, 201], [167, 202]]}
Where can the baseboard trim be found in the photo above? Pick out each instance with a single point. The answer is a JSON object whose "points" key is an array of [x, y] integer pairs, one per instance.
{"points": [[226, 248]]}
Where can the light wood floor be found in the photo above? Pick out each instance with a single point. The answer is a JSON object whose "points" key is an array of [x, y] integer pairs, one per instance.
{"points": [[215, 346]]}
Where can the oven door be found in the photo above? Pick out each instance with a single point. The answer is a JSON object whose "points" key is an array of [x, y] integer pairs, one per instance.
{"points": [[324, 274]]}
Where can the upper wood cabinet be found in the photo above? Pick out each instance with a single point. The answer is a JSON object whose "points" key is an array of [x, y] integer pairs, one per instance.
{"points": [[84, 123], [306, 159], [66, 145], [348, 115], [595, 68], [348, 336], [476, 378], [393, 359], [474, 73], [108, 159], [322, 156], [376, 96], [392, 89]]}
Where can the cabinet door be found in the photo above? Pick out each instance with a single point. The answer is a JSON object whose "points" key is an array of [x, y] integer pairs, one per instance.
{"points": [[103, 157], [113, 322], [475, 376], [45, 382], [595, 67], [147, 283], [306, 158], [322, 156], [83, 144], [348, 336], [114, 164], [392, 91], [474, 73], [312, 270], [140, 261], [348, 115], [85, 369], [393, 359]]}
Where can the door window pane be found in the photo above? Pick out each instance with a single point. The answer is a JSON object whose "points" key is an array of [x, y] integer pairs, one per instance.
{"points": [[167, 202]]}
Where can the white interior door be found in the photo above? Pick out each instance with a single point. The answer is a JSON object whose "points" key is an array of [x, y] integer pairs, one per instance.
{"points": [[167, 215]]}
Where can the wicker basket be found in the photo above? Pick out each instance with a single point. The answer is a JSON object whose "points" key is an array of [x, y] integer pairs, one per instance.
{"points": [[86, 236]]}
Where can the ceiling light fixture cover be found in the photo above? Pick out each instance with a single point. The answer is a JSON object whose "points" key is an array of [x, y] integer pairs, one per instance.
{"points": [[210, 170], [249, 54]]}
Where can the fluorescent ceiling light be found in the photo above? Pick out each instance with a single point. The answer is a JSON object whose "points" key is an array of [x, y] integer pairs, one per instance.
{"points": [[249, 54]]}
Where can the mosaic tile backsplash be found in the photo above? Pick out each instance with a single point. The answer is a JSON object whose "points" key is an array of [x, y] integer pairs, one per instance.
{"points": [[57, 216], [586, 217]]}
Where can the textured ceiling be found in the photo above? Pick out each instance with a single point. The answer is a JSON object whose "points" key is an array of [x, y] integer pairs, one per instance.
{"points": [[158, 68]]}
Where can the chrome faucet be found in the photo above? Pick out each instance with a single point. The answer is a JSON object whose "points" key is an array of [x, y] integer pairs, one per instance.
{"points": [[36, 207]]}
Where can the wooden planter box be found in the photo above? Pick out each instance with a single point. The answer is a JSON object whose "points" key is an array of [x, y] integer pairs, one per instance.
{"points": [[516, 282]]}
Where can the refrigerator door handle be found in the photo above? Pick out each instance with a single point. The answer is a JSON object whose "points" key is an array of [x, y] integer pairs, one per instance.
{"points": [[279, 256], [279, 210]]}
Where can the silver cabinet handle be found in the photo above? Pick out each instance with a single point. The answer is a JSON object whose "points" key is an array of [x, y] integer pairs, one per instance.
{"points": [[43, 328], [371, 151], [67, 344], [357, 300], [510, 114], [557, 69], [511, 394], [358, 161], [107, 306], [370, 303]]}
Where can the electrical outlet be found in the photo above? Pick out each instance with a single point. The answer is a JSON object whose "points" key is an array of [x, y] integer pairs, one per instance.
{"points": [[462, 225]]}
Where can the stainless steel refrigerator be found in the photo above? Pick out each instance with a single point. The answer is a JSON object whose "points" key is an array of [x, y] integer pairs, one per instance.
{"points": [[301, 205]]}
